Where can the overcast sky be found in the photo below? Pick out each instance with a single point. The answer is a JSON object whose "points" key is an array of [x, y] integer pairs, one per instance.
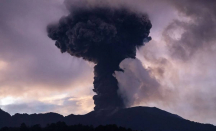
{"points": [[175, 71]]}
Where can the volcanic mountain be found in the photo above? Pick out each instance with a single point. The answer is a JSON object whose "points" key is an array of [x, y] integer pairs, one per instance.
{"points": [[136, 118]]}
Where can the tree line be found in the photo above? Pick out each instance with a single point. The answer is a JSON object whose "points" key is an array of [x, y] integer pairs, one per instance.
{"points": [[62, 126]]}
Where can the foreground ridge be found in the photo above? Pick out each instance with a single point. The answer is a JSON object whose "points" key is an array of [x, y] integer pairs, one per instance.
{"points": [[61, 126], [136, 118]]}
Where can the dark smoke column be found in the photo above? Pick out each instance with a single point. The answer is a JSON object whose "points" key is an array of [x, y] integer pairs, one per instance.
{"points": [[106, 37]]}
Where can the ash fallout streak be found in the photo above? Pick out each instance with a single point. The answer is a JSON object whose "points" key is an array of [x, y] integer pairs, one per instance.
{"points": [[104, 36]]}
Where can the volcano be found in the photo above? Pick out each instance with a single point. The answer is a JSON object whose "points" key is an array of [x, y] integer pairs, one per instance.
{"points": [[136, 118]]}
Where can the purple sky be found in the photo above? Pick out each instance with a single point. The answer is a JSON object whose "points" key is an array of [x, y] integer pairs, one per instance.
{"points": [[174, 72]]}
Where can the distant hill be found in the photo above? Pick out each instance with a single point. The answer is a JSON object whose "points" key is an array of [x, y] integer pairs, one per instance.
{"points": [[136, 118], [4, 118]]}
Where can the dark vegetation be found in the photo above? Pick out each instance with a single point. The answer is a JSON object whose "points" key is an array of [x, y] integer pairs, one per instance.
{"points": [[61, 126]]}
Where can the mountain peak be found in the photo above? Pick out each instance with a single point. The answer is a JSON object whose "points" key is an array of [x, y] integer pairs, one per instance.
{"points": [[136, 118]]}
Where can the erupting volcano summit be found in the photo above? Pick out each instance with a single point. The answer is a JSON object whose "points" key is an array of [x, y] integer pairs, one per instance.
{"points": [[104, 36]]}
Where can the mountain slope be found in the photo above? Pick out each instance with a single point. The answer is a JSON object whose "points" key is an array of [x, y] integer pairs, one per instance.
{"points": [[137, 118], [140, 118], [4, 118]]}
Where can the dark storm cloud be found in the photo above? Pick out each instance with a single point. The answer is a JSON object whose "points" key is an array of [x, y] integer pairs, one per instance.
{"points": [[196, 32]]}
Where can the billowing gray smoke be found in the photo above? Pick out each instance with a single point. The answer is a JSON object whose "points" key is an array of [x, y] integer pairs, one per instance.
{"points": [[104, 36]]}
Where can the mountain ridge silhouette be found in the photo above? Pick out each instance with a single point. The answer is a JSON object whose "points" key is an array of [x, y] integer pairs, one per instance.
{"points": [[136, 118]]}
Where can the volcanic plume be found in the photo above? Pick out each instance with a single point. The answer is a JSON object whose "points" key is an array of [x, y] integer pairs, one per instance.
{"points": [[104, 36]]}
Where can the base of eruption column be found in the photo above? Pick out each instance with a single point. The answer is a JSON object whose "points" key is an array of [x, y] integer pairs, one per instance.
{"points": [[106, 87]]}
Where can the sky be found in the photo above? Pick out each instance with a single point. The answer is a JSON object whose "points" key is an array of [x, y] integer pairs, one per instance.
{"points": [[175, 71]]}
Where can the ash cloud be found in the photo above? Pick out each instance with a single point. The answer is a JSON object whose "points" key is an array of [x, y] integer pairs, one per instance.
{"points": [[136, 84], [35, 69], [190, 42], [196, 30], [104, 36]]}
